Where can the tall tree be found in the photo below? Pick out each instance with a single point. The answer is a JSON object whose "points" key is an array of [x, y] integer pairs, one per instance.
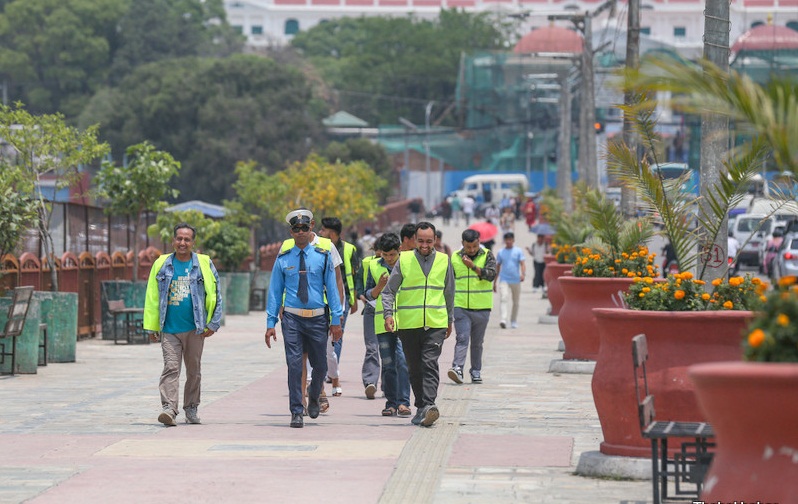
{"points": [[56, 53], [140, 186], [46, 147], [211, 113], [153, 30], [384, 68]]}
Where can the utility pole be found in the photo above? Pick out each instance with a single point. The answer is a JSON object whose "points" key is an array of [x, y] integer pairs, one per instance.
{"points": [[588, 162], [564, 189], [628, 196], [714, 140]]}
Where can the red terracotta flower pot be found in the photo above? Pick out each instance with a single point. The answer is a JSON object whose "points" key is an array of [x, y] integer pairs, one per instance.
{"points": [[676, 340], [752, 407], [576, 321], [551, 275]]}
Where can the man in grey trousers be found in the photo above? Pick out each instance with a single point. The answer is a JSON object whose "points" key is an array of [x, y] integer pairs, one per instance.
{"points": [[474, 270]]}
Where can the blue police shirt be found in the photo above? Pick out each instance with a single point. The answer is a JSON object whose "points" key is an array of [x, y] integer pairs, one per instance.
{"points": [[285, 279]]}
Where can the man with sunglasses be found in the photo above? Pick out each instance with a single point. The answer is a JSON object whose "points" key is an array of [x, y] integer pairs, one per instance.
{"points": [[299, 279]]}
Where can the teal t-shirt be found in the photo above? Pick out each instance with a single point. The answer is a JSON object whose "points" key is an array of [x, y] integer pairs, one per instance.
{"points": [[179, 309]]}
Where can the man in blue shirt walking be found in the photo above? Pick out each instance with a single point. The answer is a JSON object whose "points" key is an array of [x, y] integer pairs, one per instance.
{"points": [[510, 274], [302, 274]]}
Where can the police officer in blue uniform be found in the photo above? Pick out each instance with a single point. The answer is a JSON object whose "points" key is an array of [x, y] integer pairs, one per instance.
{"points": [[301, 274]]}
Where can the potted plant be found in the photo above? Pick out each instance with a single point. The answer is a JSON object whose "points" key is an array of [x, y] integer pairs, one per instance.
{"points": [[751, 406], [685, 322], [571, 228], [604, 267]]}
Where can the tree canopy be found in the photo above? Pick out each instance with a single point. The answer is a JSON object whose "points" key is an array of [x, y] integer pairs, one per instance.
{"points": [[211, 113], [347, 191], [55, 54], [385, 67]]}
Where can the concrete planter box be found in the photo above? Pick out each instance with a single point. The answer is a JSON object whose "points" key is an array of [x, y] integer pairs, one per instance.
{"points": [[59, 310], [236, 293], [27, 351]]}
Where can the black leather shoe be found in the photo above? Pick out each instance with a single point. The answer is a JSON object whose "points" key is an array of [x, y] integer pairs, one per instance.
{"points": [[296, 420], [313, 407]]}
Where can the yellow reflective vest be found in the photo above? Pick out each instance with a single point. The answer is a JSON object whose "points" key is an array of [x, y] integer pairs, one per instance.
{"points": [[470, 292], [420, 301], [151, 317]]}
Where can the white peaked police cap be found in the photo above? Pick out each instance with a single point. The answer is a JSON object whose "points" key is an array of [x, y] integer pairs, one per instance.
{"points": [[301, 216]]}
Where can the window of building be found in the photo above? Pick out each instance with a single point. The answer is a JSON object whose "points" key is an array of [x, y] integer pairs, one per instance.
{"points": [[645, 30], [257, 30], [238, 28], [757, 23], [291, 26], [679, 31], [792, 25]]}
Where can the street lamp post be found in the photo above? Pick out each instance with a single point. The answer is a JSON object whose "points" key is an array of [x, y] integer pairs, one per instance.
{"points": [[427, 112]]}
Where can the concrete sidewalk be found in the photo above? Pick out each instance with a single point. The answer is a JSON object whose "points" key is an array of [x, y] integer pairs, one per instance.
{"points": [[87, 431]]}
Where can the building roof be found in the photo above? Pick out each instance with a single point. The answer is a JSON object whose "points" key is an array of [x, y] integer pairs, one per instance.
{"points": [[766, 38], [550, 39], [343, 119], [207, 209]]}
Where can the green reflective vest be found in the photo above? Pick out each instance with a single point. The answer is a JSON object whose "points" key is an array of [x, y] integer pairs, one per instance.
{"points": [[349, 252], [420, 301], [365, 264], [376, 270], [470, 292], [152, 317]]}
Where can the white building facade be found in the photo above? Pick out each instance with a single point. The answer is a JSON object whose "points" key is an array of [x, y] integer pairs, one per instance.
{"points": [[679, 23]]}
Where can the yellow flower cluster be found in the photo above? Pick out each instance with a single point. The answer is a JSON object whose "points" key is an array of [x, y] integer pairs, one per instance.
{"points": [[590, 263]]}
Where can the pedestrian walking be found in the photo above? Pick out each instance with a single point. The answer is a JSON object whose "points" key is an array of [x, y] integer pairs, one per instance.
{"points": [[395, 380], [331, 228], [507, 220], [474, 269], [420, 291], [530, 213], [371, 371], [332, 359], [456, 209], [468, 205], [182, 307], [301, 275], [538, 251], [510, 273]]}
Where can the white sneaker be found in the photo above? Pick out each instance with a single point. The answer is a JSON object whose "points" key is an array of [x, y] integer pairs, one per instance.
{"points": [[191, 415], [167, 417], [514, 325]]}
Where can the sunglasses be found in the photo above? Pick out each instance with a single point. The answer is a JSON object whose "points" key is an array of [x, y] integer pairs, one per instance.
{"points": [[300, 228]]}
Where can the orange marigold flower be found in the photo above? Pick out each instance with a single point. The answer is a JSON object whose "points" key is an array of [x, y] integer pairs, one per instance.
{"points": [[728, 305], [756, 338], [648, 280], [646, 289], [735, 281], [642, 294], [783, 320], [687, 275], [705, 296], [590, 271], [679, 294], [717, 282], [637, 280], [625, 271], [787, 281]]}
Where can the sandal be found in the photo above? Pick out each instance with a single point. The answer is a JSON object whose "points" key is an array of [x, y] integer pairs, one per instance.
{"points": [[324, 404], [389, 411], [404, 410], [337, 391]]}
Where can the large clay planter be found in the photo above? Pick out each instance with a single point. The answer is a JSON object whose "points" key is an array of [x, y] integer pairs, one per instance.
{"points": [[753, 410], [551, 276], [676, 340], [576, 321]]}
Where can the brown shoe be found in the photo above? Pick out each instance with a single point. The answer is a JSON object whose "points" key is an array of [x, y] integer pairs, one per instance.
{"points": [[404, 410]]}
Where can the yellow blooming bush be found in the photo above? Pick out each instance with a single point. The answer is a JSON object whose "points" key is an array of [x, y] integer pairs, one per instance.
{"points": [[773, 334], [683, 292], [606, 264], [564, 254]]}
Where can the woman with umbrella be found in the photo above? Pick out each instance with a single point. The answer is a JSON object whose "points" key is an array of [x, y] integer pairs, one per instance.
{"points": [[487, 231]]}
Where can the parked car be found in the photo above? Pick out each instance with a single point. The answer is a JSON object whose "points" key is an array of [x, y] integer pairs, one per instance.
{"points": [[786, 261], [750, 230]]}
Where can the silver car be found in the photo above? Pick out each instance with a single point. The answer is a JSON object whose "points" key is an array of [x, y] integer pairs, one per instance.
{"points": [[786, 261]]}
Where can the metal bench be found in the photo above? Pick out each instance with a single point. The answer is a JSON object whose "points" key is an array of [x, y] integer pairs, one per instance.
{"points": [[688, 466], [17, 313], [132, 324]]}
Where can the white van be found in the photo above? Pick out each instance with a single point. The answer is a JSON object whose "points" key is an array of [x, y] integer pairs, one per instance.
{"points": [[492, 187]]}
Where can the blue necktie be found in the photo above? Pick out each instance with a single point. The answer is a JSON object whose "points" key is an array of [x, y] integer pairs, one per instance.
{"points": [[302, 291]]}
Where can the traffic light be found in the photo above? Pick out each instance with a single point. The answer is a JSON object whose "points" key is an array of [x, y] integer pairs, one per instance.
{"points": [[599, 126]]}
